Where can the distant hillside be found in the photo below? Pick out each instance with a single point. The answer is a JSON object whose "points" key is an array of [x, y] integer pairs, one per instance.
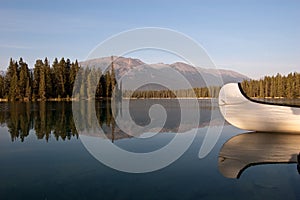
{"points": [[135, 69]]}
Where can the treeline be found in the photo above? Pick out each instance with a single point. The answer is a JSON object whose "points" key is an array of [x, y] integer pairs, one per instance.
{"points": [[92, 83], [55, 82], [205, 92], [274, 87]]}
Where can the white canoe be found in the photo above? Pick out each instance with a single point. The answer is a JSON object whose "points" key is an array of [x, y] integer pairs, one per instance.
{"points": [[256, 148], [248, 114]]}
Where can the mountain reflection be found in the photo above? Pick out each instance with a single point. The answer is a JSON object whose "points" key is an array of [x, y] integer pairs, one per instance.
{"points": [[55, 119]]}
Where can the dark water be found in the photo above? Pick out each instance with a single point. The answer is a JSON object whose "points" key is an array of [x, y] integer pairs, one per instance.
{"points": [[42, 157]]}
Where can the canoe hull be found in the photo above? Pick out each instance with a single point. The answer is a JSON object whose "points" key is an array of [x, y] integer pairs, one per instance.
{"points": [[247, 114]]}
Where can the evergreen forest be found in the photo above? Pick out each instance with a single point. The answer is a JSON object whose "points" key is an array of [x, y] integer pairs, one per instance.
{"points": [[274, 86], [53, 82]]}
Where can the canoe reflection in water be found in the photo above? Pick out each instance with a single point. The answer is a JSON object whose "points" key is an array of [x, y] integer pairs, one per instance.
{"points": [[298, 163], [257, 148]]}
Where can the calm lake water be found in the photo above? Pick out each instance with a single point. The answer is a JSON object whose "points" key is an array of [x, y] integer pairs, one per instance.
{"points": [[42, 157]]}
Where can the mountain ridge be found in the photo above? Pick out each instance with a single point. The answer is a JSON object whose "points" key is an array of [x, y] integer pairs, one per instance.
{"points": [[133, 68]]}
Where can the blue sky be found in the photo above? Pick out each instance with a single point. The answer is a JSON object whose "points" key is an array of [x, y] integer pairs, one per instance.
{"points": [[251, 37]]}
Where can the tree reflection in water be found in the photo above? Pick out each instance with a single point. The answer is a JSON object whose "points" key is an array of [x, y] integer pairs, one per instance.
{"points": [[47, 119], [56, 120]]}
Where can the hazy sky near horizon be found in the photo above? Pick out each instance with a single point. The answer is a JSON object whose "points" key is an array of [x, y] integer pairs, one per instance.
{"points": [[254, 38]]}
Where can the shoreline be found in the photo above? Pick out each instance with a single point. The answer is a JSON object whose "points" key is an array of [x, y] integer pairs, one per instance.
{"points": [[127, 98]]}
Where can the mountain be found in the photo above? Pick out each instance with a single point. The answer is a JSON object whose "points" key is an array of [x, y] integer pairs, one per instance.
{"points": [[134, 72]]}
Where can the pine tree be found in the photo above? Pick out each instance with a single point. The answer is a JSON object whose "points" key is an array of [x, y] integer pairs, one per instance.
{"points": [[289, 86], [73, 73], [14, 91], [273, 87], [279, 85], [28, 90], [59, 77], [62, 78], [297, 80], [99, 89], [67, 86], [294, 88], [77, 83], [103, 85], [54, 78], [261, 89], [42, 84], [48, 79], [267, 87], [91, 83], [23, 79], [2, 91], [83, 85], [108, 84], [112, 77], [36, 79], [8, 75]]}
